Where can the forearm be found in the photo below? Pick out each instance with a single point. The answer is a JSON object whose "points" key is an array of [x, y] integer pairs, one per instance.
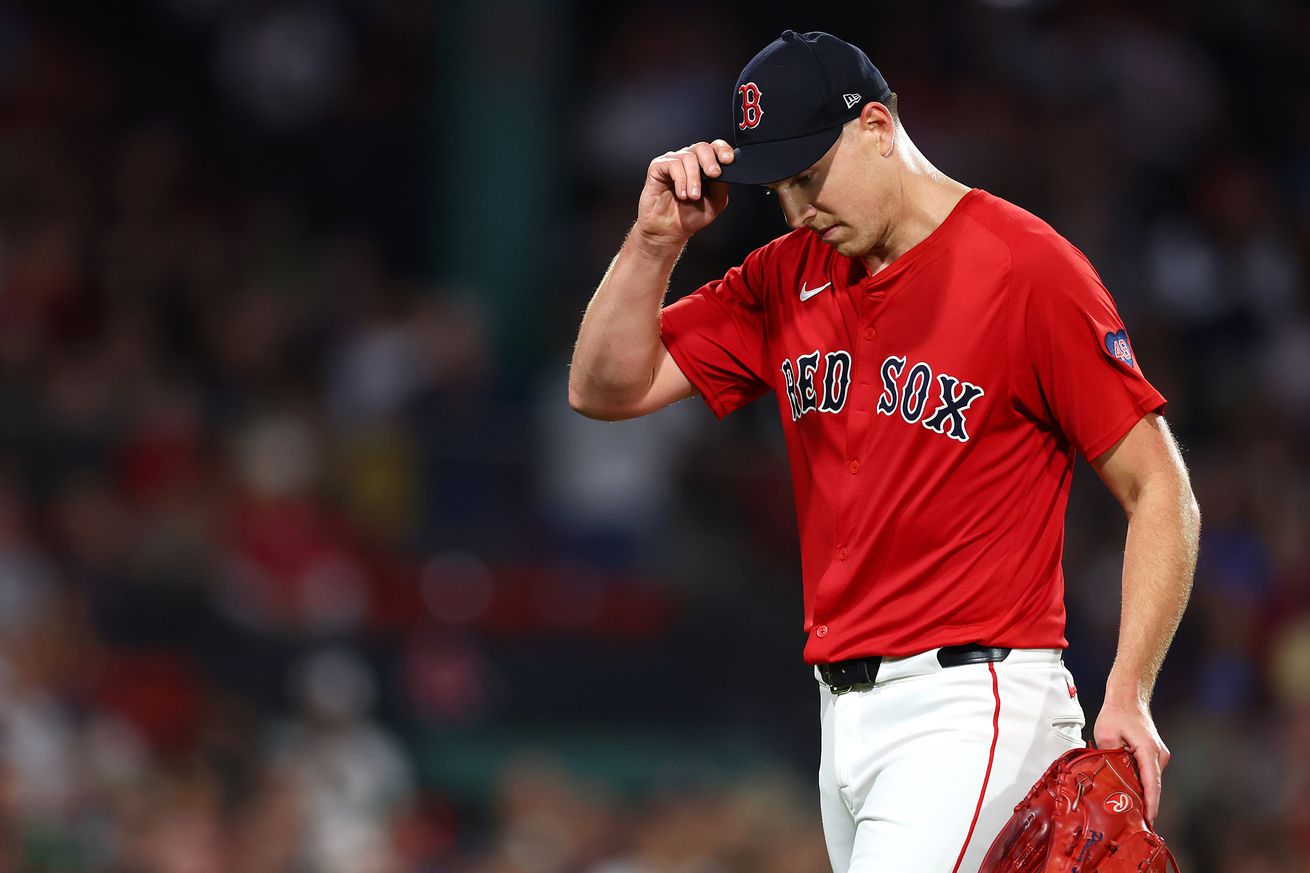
{"points": [[1159, 560], [619, 341]]}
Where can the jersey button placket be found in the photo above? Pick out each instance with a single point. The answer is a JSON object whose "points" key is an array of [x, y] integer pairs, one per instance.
{"points": [[865, 314]]}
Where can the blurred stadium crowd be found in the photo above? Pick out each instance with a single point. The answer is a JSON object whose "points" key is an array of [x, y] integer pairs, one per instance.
{"points": [[303, 569]]}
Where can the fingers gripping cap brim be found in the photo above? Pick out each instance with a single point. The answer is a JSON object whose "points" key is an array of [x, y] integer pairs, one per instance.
{"points": [[764, 162]]}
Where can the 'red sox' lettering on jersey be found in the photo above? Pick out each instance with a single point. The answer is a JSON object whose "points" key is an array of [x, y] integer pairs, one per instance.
{"points": [[977, 365], [910, 397], [806, 392]]}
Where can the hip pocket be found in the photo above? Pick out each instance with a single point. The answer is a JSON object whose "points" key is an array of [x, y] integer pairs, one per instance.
{"points": [[1069, 729]]}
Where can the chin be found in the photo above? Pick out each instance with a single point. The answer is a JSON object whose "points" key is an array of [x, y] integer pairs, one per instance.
{"points": [[847, 248]]}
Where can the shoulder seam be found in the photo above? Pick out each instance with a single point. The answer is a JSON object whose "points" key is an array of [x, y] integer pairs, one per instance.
{"points": [[1009, 304]]}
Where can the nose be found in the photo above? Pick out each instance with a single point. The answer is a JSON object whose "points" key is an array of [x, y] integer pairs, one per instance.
{"points": [[795, 209]]}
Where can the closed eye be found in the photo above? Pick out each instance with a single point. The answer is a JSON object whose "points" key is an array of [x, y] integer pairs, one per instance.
{"points": [[800, 181]]}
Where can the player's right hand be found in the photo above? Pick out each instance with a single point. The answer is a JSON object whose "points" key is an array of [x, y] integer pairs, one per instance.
{"points": [[676, 202]]}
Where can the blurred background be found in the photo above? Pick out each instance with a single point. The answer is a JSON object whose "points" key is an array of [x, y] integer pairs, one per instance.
{"points": [[306, 566]]}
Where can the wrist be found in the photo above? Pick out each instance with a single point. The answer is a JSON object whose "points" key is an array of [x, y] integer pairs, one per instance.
{"points": [[659, 247], [1127, 692]]}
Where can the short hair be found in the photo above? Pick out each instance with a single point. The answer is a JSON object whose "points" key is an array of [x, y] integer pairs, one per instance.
{"points": [[890, 103]]}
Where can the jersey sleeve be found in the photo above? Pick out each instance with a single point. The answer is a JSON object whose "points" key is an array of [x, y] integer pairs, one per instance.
{"points": [[1077, 369], [716, 336]]}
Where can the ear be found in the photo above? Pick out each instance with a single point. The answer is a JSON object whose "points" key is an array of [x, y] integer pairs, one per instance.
{"points": [[877, 120]]}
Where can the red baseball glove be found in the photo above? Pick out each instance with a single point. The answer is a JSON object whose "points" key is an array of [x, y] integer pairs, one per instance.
{"points": [[1086, 813]]}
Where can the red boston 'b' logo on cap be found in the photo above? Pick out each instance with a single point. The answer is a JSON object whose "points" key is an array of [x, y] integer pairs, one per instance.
{"points": [[751, 113]]}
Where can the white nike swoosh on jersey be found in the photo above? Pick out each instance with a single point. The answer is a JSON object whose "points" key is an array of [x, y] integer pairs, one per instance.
{"points": [[806, 295]]}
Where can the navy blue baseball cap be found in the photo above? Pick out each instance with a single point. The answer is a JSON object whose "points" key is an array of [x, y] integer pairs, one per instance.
{"points": [[791, 101]]}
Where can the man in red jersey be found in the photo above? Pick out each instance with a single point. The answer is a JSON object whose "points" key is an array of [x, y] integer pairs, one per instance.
{"points": [[938, 356]]}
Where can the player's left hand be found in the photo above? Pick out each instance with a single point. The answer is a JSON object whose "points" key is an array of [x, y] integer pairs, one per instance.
{"points": [[1130, 726]]}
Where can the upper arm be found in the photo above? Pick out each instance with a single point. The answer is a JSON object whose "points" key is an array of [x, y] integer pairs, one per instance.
{"points": [[1144, 457], [716, 339], [1074, 366], [712, 343], [668, 385]]}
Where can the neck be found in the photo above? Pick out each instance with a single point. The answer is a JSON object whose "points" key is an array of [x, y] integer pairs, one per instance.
{"points": [[925, 196]]}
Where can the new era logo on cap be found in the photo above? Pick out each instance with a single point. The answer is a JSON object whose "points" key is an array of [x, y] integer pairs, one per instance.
{"points": [[807, 85]]}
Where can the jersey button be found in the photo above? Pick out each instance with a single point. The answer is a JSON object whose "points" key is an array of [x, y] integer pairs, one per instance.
{"points": [[821, 631], [842, 553], [868, 333], [854, 466]]}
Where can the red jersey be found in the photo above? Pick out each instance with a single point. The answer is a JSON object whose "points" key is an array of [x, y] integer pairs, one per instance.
{"points": [[931, 415]]}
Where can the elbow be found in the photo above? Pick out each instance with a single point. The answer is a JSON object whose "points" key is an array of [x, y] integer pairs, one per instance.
{"points": [[1187, 509], [580, 404], [1169, 491], [588, 408], [1191, 510], [576, 403], [1191, 522]]}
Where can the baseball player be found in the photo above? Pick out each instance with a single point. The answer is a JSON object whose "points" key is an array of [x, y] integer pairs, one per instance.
{"points": [[938, 356]]}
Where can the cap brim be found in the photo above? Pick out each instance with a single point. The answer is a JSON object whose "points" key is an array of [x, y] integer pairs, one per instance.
{"points": [[764, 162]]}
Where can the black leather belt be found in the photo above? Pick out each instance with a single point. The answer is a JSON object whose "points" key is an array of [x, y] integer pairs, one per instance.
{"points": [[841, 676]]}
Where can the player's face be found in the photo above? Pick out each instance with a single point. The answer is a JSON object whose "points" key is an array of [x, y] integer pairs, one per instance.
{"points": [[843, 198]]}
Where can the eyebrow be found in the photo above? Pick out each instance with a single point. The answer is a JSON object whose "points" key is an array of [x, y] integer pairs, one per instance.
{"points": [[812, 168], [789, 180]]}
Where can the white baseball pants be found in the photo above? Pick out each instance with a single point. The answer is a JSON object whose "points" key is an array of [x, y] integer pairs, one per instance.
{"points": [[921, 770]]}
